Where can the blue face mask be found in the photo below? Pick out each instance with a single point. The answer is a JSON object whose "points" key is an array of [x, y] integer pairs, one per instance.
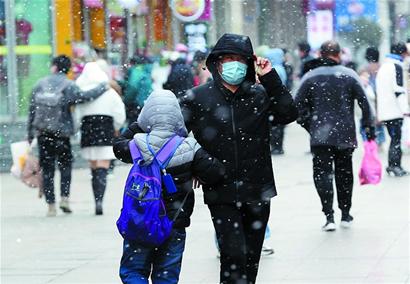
{"points": [[234, 72]]}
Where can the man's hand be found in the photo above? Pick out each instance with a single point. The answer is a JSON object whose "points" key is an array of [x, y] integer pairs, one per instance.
{"points": [[370, 133], [262, 66], [196, 183]]}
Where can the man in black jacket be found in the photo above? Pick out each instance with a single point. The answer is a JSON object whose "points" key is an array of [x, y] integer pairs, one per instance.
{"points": [[325, 101], [231, 118]]}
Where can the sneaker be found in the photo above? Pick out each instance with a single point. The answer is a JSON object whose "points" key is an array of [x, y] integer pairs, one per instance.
{"points": [[267, 251], [65, 206], [330, 226], [346, 221], [396, 171], [52, 211]]}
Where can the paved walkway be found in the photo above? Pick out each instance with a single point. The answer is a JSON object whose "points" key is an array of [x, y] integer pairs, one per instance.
{"points": [[83, 248]]}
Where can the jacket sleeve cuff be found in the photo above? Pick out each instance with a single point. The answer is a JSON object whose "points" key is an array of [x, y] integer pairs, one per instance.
{"points": [[271, 80]]}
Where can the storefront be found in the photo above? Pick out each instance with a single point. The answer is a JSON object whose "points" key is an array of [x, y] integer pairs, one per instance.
{"points": [[31, 32], [25, 30]]}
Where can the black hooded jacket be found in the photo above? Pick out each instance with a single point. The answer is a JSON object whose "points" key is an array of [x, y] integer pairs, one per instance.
{"points": [[325, 100], [234, 127]]}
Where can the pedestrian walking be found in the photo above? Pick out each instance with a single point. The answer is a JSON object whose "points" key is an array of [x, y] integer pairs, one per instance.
{"points": [[393, 104], [231, 118], [137, 85], [160, 120], [101, 120], [181, 77], [201, 74], [50, 120], [276, 57], [287, 64], [372, 57], [304, 56], [371, 98], [325, 101]]}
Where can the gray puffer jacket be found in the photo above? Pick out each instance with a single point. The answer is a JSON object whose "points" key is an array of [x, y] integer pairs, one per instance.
{"points": [[161, 118]]}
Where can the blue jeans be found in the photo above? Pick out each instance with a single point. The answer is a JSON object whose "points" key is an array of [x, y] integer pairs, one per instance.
{"points": [[163, 263]]}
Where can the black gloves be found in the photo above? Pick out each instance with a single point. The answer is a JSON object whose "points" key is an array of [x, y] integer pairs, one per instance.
{"points": [[370, 132]]}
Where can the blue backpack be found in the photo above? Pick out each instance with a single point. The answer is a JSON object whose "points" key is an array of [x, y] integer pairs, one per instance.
{"points": [[143, 216]]}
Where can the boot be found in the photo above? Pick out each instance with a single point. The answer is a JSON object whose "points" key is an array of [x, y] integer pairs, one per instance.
{"points": [[64, 205], [98, 208], [52, 211], [99, 183]]}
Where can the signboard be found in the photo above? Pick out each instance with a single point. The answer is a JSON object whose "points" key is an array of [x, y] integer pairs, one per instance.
{"points": [[188, 10], [206, 15], [319, 27], [347, 11]]}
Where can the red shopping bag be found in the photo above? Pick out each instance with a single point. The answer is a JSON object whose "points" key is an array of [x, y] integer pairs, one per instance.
{"points": [[371, 167]]}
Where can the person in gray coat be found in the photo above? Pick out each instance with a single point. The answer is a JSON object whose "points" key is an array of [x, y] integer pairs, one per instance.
{"points": [[50, 120], [161, 119]]}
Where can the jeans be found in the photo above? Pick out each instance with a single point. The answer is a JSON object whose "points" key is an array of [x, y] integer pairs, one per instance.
{"points": [[394, 130], [53, 148], [324, 157], [163, 264], [240, 233]]}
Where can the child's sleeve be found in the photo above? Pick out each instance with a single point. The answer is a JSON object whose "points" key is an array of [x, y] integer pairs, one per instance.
{"points": [[120, 147], [207, 169]]}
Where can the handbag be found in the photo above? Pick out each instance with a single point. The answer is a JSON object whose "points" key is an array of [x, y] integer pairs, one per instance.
{"points": [[371, 166]]}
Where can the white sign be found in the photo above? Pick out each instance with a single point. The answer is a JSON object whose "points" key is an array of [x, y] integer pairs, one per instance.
{"points": [[319, 27]]}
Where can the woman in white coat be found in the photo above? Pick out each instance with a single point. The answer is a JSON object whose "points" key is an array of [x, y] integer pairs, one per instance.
{"points": [[101, 120]]}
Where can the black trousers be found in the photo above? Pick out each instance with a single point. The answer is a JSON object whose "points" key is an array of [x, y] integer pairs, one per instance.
{"points": [[277, 134], [394, 130], [328, 163], [240, 232], [52, 149]]}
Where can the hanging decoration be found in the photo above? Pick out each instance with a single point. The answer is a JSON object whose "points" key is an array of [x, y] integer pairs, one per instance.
{"points": [[188, 10]]}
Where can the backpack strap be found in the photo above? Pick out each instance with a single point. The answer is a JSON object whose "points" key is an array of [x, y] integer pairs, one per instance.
{"points": [[167, 151], [180, 207], [135, 152]]}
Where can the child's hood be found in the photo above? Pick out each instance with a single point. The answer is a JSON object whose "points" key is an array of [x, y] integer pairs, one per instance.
{"points": [[162, 113]]}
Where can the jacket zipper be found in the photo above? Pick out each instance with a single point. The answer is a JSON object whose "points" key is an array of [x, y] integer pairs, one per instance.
{"points": [[235, 151]]}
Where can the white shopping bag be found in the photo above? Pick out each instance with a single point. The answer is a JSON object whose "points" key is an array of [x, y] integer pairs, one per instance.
{"points": [[19, 153]]}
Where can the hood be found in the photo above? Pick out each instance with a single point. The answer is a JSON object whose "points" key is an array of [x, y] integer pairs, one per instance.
{"points": [[162, 113], [276, 56], [318, 62], [91, 76], [232, 44]]}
